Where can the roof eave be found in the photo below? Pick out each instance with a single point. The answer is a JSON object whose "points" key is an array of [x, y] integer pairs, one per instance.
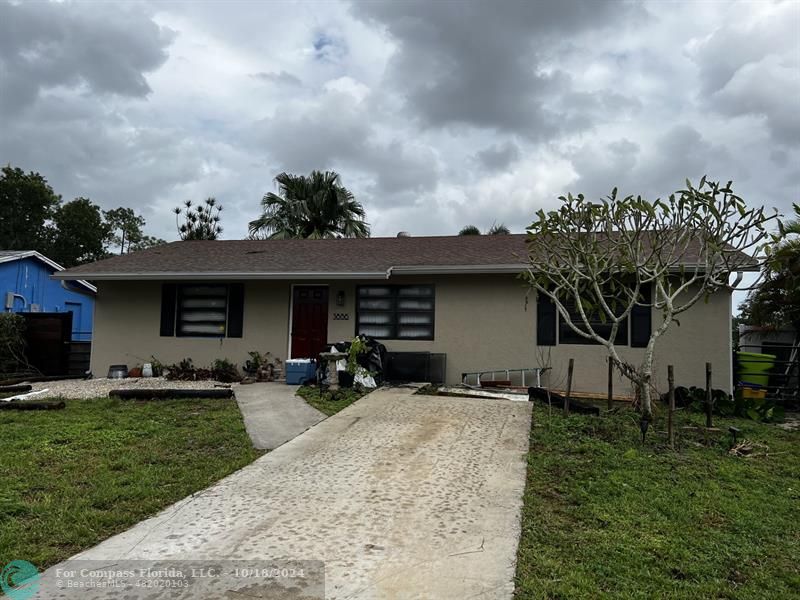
{"points": [[222, 276], [51, 263], [457, 269]]}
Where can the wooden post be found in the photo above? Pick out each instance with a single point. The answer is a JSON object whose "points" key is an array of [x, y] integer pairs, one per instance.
{"points": [[610, 382], [708, 395], [670, 430], [569, 385]]}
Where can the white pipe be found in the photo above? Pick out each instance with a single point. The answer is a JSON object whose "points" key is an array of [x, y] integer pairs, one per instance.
{"points": [[21, 297]]}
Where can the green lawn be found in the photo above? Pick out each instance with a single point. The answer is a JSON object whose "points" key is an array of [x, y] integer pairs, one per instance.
{"points": [[330, 402], [73, 477], [605, 516]]}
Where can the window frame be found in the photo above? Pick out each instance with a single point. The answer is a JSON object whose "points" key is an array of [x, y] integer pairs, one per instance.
{"points": [[579, 340], [179, 310], [394, 311], [635, 331]]}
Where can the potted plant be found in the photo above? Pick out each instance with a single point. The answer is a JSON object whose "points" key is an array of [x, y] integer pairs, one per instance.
{"points": [[262, 367]]}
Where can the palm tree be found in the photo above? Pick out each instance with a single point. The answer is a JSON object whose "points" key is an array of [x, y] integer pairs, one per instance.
{"points": [[313, 206], [496, 229]]}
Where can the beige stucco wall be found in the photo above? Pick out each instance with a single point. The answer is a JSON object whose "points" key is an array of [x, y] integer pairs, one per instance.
{"points": [[704, 335], [128, 319], [481, 323]]}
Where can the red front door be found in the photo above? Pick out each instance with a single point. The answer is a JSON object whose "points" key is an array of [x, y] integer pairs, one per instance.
{"points": [[309, 321]]}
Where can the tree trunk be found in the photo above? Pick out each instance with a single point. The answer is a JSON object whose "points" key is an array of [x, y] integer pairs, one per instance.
{"points": [[644, 395], [671, 410]]}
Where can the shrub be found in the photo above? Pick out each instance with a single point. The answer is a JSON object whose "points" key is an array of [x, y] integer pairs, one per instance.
{"points": [[12, 343], [357, 347], [264, 362], [225, 371], [221, 370], [723, 404], [182, 371]]}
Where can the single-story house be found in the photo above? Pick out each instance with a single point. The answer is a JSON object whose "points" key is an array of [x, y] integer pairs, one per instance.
{"points": [[457, 295], [27, 286]]}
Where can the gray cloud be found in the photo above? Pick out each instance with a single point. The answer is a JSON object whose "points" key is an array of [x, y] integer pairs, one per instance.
{"points": [[603, 167], [498, 156], [474, 64], [102, 46], [280, 78], [770, 91], [752, 68], [333, 133], [661, 168], [436, 114], [734, 45], [302, 139]]}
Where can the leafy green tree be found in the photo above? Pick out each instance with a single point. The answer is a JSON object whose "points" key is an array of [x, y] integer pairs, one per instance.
{"points": [[79, 233], [313, 206], [200, 222], [469, 230], [147, 241], [27, 204], [126, 228], [601, 257], [775, 303]]}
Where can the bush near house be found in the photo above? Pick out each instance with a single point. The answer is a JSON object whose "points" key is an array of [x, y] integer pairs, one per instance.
{"points": [[606, 516], [12, 342]]}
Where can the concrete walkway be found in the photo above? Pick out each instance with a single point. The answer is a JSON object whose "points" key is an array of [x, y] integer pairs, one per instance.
{"points": [[401, 496], [273, 414]]}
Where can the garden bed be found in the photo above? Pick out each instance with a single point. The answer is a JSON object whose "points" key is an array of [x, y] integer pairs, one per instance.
{"points": [[99, 388], [329, 402]]}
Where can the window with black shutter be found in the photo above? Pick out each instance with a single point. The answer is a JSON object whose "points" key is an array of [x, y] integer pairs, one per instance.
{"points": [[641, 320], [202, 310], [546, 321], [396, 312], [601, 326], [169, 293], [634, 330]]}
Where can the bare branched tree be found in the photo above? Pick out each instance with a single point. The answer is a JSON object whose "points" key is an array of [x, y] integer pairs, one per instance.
{"points": [[598, 261]]}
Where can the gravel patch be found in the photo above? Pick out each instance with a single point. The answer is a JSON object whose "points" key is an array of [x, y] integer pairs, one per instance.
{"points": [[100, 387]]}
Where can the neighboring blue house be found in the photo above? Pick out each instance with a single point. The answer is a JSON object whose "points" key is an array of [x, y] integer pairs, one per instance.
{"points": [[27, 287]]}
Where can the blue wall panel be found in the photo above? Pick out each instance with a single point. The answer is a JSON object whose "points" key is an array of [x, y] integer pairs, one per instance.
{"points": [[30, 279]]}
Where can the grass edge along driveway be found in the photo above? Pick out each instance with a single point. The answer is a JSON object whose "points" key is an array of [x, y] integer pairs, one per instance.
{"points": [[327, 402], [606, 516], [74, 477]]}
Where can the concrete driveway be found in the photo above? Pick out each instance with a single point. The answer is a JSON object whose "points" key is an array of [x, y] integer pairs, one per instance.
{"points": [[401, 496]]}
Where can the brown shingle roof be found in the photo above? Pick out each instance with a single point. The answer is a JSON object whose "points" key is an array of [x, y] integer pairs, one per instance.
{"points": [[345, 257]]}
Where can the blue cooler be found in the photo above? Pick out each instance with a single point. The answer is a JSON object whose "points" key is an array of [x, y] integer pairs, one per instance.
{"points": [[300, 370]]}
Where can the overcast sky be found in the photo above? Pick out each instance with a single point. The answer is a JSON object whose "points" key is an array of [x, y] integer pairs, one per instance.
{"points": [[436, 114]]}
